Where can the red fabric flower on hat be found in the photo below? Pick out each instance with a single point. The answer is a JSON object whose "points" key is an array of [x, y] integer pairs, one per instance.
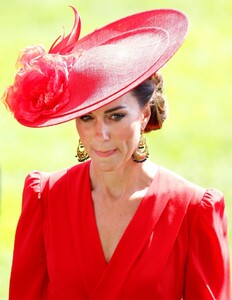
{"points": [[41, 84]]}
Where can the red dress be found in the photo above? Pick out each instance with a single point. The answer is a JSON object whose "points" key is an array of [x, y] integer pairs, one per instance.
{"points": [[175, 247]]}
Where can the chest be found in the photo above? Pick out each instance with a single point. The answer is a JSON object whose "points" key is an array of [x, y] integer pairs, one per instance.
{"points": [[75, 261], [112, 220]]}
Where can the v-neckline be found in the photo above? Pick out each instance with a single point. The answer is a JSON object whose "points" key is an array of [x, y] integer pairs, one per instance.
{"points": [[99, 277], [130, 224]]}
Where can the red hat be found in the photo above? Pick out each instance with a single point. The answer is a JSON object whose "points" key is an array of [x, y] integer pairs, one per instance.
{"points": [[78, 76]]}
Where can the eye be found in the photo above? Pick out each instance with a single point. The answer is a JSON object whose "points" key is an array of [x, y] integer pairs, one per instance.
{"points": [[117, 116], [86, 118]]}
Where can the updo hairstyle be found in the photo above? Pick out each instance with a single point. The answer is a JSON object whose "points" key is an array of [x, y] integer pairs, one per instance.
{"points": [[151, 90]]}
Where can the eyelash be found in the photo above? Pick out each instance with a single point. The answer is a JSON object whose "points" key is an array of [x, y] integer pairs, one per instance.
{"points": [[86, 118], [115, 117]]}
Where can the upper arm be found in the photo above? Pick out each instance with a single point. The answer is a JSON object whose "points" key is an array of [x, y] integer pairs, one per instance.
{"points": [[29, 273], [208, 267]]}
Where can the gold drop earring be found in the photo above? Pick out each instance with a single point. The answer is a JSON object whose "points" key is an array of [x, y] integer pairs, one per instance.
{"points": [[141, 153], [82, 155]]}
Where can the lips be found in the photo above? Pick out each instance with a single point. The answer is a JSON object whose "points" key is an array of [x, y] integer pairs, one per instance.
{"points": [[104, 153]]}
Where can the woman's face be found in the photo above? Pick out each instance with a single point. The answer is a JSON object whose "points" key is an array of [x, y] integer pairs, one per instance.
{"points": [[111, 134]]}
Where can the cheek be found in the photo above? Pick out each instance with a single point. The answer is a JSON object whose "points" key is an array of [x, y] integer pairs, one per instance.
{"points": [[131, 135], [85, 138], [82, 133]]}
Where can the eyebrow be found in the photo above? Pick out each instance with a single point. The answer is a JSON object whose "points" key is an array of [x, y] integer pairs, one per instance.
{"points": [[115, 108]]}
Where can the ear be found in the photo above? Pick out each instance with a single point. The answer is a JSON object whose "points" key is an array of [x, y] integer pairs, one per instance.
{"points": [[146, 114]]}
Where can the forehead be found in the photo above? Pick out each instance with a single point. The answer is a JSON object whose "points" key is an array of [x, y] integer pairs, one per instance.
{"points": [[125, 101]]}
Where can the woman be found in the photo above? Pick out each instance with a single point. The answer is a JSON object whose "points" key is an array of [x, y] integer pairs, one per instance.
{"points": [[117, 226]]}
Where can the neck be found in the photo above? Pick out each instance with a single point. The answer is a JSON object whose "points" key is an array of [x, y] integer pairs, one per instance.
{"points": [[126, 180]]}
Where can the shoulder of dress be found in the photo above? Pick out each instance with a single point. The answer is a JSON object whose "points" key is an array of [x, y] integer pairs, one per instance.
{"points": [[181, 185], [33, 182], [33, 188], [184, 190], [37, 180], [79, 168], [213, 199], [206, 198]]}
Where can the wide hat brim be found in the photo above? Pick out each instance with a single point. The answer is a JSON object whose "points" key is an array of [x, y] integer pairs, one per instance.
{"points": [[115, 59]]}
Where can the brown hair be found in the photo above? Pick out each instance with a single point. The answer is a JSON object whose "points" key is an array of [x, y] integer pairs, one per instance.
{"points": [[151, 90]]}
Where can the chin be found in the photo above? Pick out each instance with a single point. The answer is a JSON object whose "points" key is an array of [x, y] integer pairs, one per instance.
{"points": [[104, 165], [114, 165]]}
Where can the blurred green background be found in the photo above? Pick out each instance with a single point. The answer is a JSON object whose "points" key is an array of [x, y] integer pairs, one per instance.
{"points": [[196, 140]]}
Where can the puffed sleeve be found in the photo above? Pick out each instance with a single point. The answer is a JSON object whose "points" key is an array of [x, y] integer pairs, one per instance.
{"points": [[29, 274], [208, 266]]}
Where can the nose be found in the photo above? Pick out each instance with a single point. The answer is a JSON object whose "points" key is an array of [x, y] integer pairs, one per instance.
{"points": [[102, 130]]}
